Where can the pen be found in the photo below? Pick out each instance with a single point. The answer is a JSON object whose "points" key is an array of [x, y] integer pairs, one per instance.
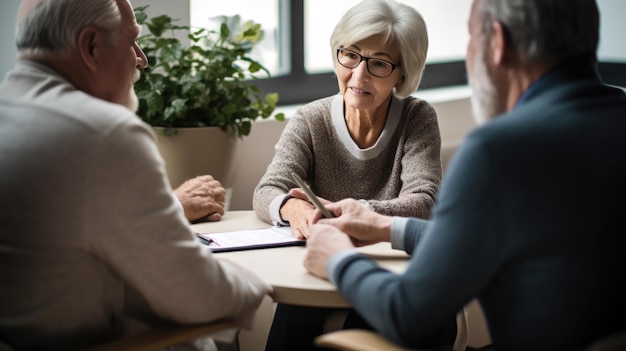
{"points": [[207, 240], [309, 194]]}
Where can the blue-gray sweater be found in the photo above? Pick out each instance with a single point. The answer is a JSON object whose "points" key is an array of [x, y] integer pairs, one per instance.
{"points": [[527, 220]]}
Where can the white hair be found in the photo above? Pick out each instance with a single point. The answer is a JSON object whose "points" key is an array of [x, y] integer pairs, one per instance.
{"points": [[54, 25], [397, 23]]}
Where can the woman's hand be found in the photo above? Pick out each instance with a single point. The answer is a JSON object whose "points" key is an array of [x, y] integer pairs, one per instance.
{"points": [[299, 211]]}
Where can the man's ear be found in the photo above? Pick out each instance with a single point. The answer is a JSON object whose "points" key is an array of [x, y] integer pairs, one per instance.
{"points": [[88, 41], [498, 43]]}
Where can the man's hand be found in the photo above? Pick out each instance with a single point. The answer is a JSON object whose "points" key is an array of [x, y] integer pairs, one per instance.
{"points": [[324, 241], [202, 197], [364, 226]]}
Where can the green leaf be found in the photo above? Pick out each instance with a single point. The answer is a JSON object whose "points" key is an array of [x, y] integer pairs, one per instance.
{"points": [[254, 67], [245, 128], [155, 103], [208, 81], [158, 25], [141, 15], [224, 31], [271, 98], [280, 117]]}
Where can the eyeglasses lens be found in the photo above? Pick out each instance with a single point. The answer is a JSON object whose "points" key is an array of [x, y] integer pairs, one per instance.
{"points": [[376, 67]]}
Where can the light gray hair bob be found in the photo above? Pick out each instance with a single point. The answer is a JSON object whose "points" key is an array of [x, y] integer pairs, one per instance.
{"points": [[395, 22]]}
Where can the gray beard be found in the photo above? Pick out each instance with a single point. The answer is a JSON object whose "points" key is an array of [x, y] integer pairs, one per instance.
{"points": [[132, 103], [485, 96]]}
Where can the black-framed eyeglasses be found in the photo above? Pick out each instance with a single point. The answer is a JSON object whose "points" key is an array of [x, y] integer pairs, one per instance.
{"points": [[376, 67]]}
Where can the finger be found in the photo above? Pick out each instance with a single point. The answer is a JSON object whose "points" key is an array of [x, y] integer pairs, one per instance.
{"points": [[298, 234], [205, 178], [216, 208], [214, 217], [312, 265], [298, 194], [316, 216], [305, 234], [218, 189], [219, 196], [215, 183]]}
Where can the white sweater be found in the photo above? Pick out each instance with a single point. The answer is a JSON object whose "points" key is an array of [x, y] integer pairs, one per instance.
{"points": [[90, 231]]}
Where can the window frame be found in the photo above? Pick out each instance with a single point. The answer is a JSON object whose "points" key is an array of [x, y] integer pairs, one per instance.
{"points": [[297, 86]]}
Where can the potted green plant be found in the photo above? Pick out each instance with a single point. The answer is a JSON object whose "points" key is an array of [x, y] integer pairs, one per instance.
{"points": [[206, 83]]}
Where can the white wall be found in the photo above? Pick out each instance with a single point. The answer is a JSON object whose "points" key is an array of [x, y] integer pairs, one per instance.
{"points": [[178, 9], [8, 12]]}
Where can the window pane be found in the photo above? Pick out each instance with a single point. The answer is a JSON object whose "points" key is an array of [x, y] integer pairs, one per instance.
{"points": [[447, 30], [205, 14], [612, 48]]}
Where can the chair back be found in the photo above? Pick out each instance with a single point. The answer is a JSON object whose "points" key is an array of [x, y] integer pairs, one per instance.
{"points": [[612, 342], [5, 347]]}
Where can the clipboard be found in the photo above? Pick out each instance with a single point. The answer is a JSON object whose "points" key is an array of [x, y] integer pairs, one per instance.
{"points": [[263, 238]]}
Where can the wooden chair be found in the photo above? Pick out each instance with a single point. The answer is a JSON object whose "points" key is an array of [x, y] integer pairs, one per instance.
{"points": [[159, 338], [368, 340], [613, 342], [358, 340]]}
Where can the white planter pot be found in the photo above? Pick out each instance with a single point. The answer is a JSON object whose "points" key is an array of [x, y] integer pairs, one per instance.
{"points": [[198, 151]]}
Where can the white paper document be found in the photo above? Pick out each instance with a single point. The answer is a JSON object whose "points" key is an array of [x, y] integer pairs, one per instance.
{"points": [[250, 239]]}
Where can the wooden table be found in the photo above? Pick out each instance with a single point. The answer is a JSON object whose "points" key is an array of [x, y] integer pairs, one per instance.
{"points": [[282, 267]]}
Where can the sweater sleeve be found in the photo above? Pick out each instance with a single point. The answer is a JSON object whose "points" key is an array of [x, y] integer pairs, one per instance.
{"points": [[148, 241], [292, 153]]}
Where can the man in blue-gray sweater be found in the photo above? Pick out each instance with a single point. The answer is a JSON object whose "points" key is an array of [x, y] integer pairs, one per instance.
{"points": [[527, 219]]}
